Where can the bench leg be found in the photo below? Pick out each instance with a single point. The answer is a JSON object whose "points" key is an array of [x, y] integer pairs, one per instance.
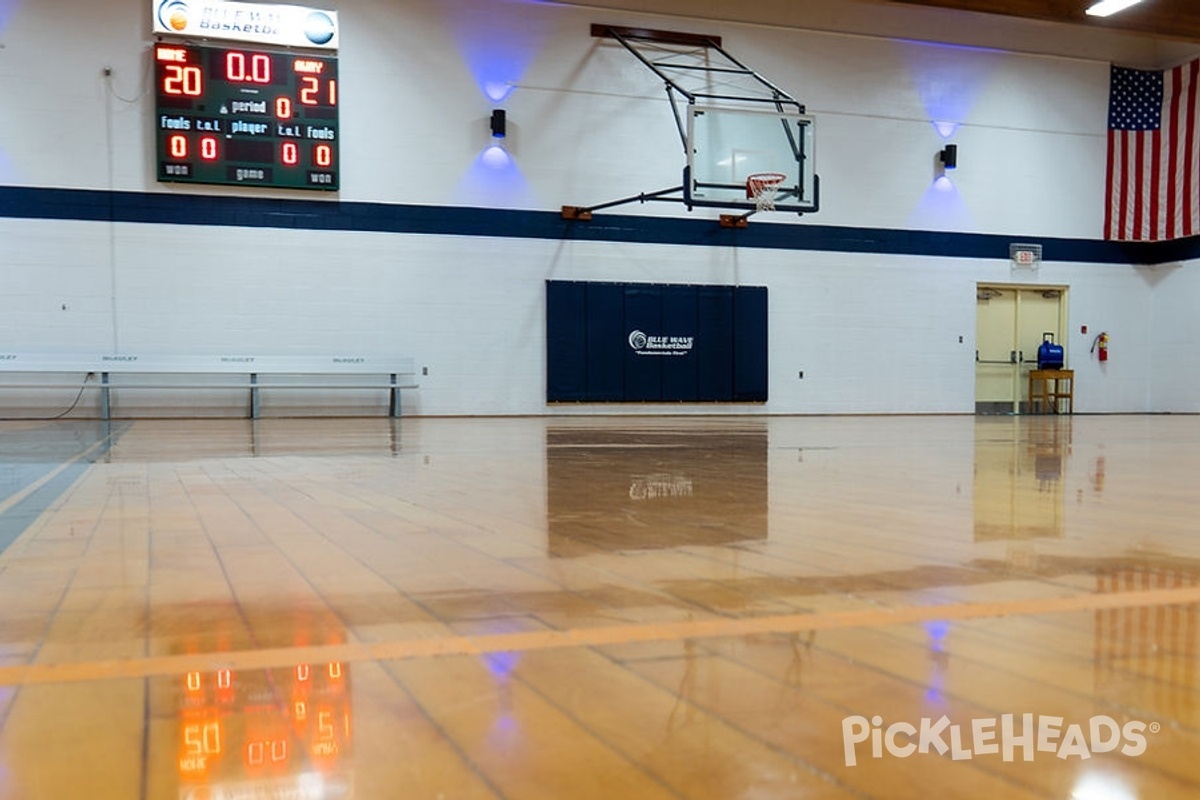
{"points": [[394, 408], [254, 406], [104, 395]]}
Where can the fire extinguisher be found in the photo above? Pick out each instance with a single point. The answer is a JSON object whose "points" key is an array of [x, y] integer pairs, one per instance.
{"points": [[1101, 344]]}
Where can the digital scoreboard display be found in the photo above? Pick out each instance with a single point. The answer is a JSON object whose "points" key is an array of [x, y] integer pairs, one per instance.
{"points": [[246, 117]]}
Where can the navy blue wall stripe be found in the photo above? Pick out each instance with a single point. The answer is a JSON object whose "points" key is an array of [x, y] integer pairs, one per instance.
{"points": [[194, 209]]}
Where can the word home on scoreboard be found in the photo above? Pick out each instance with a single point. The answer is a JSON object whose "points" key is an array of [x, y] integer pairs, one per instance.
{"points": [[246, 117]]}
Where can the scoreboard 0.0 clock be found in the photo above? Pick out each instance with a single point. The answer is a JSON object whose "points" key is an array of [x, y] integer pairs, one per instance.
{"points": [[246, 117]]}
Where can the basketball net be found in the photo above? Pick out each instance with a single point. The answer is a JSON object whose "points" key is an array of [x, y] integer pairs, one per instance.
{"points": [[763, 187]]}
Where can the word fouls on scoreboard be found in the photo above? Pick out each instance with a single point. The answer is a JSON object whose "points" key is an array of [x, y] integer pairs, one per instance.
{"points": [[251, 117]]}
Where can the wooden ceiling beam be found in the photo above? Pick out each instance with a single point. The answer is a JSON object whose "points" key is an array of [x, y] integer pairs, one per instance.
{"points": [[1166, 19]]}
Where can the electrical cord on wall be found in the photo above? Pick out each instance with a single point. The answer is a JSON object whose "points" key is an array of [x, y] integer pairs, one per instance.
{"points": [[86, 381]]}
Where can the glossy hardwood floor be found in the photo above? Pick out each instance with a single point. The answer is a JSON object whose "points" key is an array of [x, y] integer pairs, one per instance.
{"points": [[897, 607]]}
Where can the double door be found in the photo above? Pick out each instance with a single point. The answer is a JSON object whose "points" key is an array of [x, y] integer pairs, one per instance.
{"points": [[1011, 322]]}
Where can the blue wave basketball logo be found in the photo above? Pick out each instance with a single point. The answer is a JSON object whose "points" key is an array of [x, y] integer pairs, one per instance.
{"points": [[318, 27], [638, 340], [173, 14]]}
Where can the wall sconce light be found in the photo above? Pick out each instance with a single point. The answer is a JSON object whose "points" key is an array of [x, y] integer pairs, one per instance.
{"points": [[499, 124], [949, 156]]}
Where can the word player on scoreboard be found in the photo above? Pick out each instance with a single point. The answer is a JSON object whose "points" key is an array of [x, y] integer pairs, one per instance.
{"points": [[246, 117]]}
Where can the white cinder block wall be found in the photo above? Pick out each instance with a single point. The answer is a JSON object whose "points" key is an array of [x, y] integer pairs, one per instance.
{"points": [[587, 123], [1175, 332]]}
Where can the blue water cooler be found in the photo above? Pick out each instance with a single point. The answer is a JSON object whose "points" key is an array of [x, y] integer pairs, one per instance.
{"points": [[1050, 355]]}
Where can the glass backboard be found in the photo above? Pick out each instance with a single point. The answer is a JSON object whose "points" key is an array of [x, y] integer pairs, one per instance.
{"points": [[728, 145]]}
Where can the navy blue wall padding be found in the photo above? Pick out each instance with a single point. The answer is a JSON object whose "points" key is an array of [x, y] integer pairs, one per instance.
{"points": [[750, 343], [679, 313], [605, 333], [566, 327], [715, 325], [643, 312], [648, 343]]}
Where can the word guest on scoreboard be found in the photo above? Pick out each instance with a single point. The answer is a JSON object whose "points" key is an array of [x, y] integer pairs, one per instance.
{"points": [[247, 117]]}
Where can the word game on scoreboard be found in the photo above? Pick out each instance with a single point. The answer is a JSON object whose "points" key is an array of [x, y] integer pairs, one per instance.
{"points": [[246, 117]]}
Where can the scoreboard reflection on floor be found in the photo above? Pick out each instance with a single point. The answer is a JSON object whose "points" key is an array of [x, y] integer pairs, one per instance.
{"points": [[246, 117]]}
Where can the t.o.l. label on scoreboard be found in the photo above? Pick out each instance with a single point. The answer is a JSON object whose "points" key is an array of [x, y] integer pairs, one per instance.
{"points": [[283, 25]]}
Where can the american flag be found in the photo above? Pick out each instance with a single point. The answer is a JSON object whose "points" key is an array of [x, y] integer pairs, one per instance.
{"points": [[1153, 187]]}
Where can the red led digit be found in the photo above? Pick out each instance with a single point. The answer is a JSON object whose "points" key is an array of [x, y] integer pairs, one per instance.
{"points": [[323, 157], [260, 68], [177, 145], [181, 80], [192, 739], [283, 107], [235, 66], [332, 92], [212, 738], [208, 148], [289, 154], [308, 94]]}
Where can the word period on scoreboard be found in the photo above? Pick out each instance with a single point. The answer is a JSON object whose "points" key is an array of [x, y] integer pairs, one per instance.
{"points": [[244, 116]]}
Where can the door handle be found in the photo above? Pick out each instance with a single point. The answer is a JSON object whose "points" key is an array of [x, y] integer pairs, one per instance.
{"points": [[1012, 356]]}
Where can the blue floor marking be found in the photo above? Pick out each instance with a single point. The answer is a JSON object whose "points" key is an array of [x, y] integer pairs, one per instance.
{"points": [[28, 455], [17, 519]]}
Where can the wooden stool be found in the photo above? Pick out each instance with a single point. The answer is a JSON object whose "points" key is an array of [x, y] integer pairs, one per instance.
{"points": [[1050, 387]]}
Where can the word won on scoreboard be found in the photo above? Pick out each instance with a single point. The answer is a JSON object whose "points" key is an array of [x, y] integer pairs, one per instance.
{"points": [[246, 117]]}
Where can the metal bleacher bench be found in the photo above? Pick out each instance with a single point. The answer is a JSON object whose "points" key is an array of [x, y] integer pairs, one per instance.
{"points": [[254, 374]]}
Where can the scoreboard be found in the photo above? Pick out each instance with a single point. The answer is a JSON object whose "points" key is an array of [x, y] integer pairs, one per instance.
{"points": [[246, 117]]}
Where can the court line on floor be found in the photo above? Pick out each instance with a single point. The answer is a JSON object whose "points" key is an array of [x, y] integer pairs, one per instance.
{"points": [[457, 645]]}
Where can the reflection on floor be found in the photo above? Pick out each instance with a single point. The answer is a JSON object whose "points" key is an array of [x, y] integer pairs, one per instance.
{"points": [[654, 488], [1018, 480], [686, 607], [260, 733]]}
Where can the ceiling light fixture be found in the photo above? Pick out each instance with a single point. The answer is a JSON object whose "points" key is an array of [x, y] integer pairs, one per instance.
{"points": [[1106, 8]]}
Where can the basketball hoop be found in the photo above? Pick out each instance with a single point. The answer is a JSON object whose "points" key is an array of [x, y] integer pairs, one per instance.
{"points": [[762, 188]]}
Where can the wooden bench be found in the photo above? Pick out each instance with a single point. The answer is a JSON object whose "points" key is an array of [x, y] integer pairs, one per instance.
{"points": [[253, 374]]}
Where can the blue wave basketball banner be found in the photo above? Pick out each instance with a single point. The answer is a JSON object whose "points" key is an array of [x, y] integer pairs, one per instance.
{"points": [[283, 25], [655, 343]]}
